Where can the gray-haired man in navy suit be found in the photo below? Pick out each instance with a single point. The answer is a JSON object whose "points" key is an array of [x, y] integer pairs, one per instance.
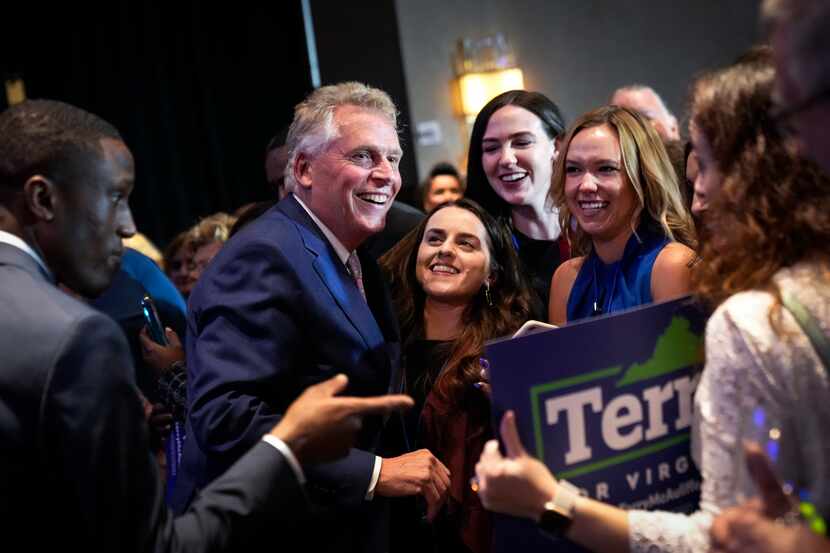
{"points": [[293, 298]]}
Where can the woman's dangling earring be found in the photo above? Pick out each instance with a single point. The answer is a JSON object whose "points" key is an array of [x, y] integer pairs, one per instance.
{"points": [[487, 295]]}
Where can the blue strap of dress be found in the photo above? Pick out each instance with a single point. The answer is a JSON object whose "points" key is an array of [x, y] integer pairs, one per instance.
{"points": [[622, 285]]}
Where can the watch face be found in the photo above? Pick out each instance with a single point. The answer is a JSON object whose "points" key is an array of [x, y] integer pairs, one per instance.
{"points": [[553, 522]]}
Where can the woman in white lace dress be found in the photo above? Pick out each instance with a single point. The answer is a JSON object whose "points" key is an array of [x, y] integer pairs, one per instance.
{"points": [[770, 222]]}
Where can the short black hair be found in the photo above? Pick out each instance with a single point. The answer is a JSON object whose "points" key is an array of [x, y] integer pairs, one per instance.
{"points": [[444, 168], [51, 138]]}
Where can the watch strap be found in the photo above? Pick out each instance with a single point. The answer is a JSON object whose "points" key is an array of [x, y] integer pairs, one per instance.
{"points": [[564, 498], [559, 511]]}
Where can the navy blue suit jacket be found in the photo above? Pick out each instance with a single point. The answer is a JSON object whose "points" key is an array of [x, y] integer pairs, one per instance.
{"points": [[274, 312]]}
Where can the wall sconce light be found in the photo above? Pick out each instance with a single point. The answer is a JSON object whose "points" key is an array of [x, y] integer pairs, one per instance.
{"points": [[479, 88], [15, 90], [485, 68]]}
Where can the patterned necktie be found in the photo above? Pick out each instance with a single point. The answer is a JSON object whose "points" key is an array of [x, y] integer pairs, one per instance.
{"points": [[353, 263]]}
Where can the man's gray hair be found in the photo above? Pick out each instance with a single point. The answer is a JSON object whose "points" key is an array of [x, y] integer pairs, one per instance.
{"points": [[313, 127], [637, 87], [808, 26]]}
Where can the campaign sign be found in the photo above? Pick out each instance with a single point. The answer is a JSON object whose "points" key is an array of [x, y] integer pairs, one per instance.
{"points": [[606, 404]]}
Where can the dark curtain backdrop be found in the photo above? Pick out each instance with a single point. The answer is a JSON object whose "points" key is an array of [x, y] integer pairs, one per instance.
{"points": [[196, 88]]}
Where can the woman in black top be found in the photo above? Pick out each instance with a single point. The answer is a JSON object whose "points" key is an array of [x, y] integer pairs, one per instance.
{"points": [[513, 147], [456, 283]]}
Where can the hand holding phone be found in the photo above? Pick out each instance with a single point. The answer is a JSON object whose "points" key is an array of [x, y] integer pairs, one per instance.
{"points": [[151, 317]]}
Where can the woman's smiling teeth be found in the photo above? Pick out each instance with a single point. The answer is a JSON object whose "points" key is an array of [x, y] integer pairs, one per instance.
{"points": [[513, 177], [444, 269], [594, 204], [373, 198]]}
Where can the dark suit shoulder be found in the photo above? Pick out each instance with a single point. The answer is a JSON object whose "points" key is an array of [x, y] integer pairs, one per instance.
{"points": [[63, 364], [407, 212], [260, 260], [400, 220], [272, 235], [47, 336], [39, 315]]}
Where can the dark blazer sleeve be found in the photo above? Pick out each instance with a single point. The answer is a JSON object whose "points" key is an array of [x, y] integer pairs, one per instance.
{"points": [[251, 352], [96, 442]]}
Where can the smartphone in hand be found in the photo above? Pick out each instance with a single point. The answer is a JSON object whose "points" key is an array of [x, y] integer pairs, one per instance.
{"points": [[151, 317]]}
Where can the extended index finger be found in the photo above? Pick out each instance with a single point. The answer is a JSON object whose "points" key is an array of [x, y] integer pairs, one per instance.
{"points": [[330, 387], [378, 404]]}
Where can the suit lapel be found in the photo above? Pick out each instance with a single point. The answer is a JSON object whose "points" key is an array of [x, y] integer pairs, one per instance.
{"points": [[334, 276]]}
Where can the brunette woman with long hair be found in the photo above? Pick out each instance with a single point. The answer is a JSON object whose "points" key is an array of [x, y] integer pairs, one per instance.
{"points": [[513, 146], [767, 275], [456, 283]]}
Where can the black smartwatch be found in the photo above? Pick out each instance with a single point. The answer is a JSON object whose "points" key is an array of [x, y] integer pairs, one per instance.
{"points": [[558, 514]]}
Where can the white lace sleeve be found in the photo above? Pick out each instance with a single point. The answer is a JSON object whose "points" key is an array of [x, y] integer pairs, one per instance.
{"points": [[717, 422]]}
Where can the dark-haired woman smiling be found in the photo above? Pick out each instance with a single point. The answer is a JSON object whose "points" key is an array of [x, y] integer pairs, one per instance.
{"points": [[456, 283], [513, 148]]}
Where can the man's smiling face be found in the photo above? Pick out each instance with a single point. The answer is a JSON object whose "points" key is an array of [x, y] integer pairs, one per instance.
{"points": [[351, 184]]}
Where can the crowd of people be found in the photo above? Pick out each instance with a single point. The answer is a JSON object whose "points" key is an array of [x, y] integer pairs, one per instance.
{"points": [[325, 377]]}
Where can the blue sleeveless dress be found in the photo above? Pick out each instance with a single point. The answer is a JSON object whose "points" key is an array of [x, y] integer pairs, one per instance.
{"points": [[601, 289]]}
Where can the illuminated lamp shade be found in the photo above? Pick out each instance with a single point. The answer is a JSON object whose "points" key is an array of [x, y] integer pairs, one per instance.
{"points": [[15, 91], [479, 88]]}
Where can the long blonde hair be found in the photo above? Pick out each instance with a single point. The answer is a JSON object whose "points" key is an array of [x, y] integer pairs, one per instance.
{"points": [[648, 168]]}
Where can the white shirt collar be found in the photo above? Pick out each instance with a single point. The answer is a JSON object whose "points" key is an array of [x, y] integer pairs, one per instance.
{"points": [[341, 250], [20, 244]]}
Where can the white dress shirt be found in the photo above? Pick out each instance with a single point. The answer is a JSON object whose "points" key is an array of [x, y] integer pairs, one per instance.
{"points": [[20, 244]]}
